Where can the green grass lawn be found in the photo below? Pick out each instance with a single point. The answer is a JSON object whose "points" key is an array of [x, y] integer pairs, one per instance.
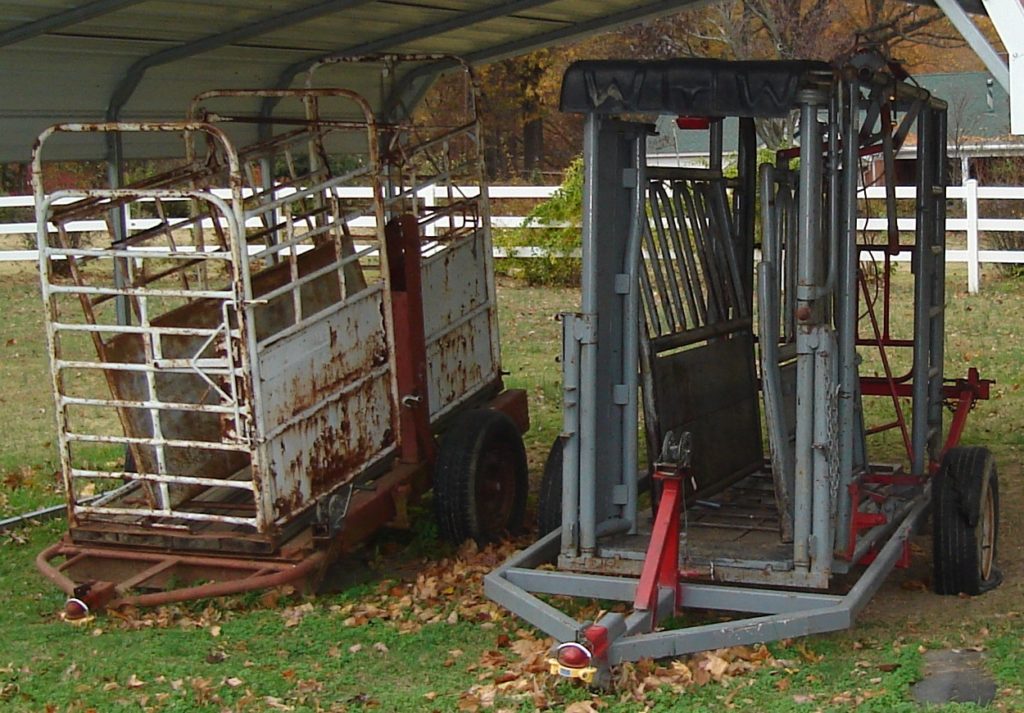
{"points": [[418, 634]]}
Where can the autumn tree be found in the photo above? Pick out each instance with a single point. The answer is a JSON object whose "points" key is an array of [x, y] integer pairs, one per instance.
{"points": [[827, 30], [521, 94], [512, 95]]}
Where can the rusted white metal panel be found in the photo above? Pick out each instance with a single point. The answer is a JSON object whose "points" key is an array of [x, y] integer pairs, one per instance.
{"points": [[459, 317], [327, 402]]}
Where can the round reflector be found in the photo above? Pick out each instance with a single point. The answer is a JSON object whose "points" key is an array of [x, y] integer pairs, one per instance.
{"points": [[573, 655]]}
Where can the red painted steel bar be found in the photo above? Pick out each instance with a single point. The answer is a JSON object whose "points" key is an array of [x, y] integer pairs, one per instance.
{"points": [[402, 240], [661, 564]]}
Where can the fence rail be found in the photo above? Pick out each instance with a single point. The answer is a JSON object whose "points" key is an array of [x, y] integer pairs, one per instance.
{"points": [[973, 224]]}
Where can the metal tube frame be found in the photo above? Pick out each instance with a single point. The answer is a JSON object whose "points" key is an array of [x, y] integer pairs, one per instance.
{"points": [[813, 232], [517, 583]]}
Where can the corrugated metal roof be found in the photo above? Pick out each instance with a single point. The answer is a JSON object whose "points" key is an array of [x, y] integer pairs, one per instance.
{"points": [[144, 59], [63, 60]]}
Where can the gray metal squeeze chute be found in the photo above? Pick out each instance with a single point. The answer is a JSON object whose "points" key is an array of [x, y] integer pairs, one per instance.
{"points": [[719, 294]]}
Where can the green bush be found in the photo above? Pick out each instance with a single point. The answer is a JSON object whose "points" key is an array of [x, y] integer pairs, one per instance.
{"points": [[559, 218]]}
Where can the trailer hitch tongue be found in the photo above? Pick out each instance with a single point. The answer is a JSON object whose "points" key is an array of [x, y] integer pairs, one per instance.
{"points": [[572, 660]]}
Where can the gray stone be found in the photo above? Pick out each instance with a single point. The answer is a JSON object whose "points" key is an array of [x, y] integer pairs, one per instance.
{"points": [[955, 676]]}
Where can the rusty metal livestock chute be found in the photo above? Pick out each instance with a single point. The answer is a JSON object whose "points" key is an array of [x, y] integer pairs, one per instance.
{"points": [[722, 296], [291, 339]]}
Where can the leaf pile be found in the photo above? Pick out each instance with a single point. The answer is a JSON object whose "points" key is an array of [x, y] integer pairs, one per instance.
{"points": [[448, 590], [512, 673]]}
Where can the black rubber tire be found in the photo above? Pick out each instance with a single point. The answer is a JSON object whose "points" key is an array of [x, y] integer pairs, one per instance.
{"points": [[549, 500], [480, 478], [965, 497]]}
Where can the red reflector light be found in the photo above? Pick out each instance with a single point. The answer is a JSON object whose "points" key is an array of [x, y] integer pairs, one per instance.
{"points": [[693, 122], [573, 655]]}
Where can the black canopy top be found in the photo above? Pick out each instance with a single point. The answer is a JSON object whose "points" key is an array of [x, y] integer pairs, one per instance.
{"points": [[688, 87]]}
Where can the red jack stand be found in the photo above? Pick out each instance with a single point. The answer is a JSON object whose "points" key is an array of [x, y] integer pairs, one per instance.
{"points": [[661, 564], [587, 659]]}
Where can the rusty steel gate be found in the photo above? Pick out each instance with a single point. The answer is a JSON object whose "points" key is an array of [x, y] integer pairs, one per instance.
{"points": [[252, 333]]}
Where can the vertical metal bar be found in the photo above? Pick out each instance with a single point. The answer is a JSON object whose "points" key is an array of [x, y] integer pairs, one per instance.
{"points": [[715, 145], [631, 335], [338, 225], [771, 245], [923, 264], [658, 307], [483, 205], [846, 322], [834, 190], [570, 436], [687, 228], [708, 296], [267, 181], [889, 163], [152, 352], [808, 265], [768, 333], [42, 206], [938, 333], [821, 518], [651, 427], [677, 233], [673, 303], [244, 306], [241, 413], [238, 412], [745, 205], [653, 319], [588, 349], [973, 264], [293, 267], [803, 454], [728, 249], [118, 220], [709, 249], [791, 249]]}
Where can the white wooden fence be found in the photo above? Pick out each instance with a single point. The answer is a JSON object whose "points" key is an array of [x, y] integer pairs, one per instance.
{"points": [[972, 225]]}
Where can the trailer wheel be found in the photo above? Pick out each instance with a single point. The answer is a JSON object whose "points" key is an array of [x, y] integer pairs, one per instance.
{"points": [[966, 523], [480, 478], [549, 502]]}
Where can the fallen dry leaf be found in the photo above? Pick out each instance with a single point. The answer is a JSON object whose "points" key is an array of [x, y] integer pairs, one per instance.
{"points": [[276, 703], [293, 615], [581, 707]]}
